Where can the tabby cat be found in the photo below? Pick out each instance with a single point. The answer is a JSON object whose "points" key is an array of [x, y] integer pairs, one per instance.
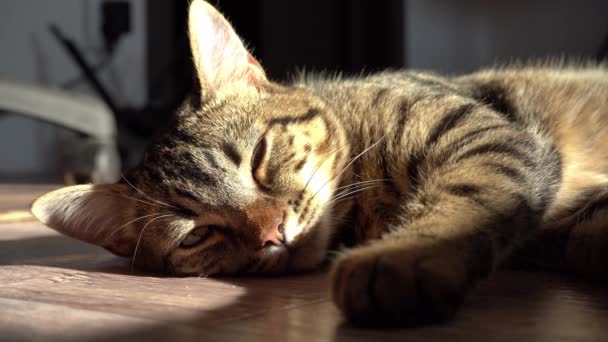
{"points": [[423, 184]]}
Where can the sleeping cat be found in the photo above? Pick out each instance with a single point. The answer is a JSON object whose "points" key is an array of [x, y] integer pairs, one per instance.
{"points": [[429, 182]]}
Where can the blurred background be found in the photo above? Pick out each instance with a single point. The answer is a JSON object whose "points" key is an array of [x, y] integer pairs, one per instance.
{"points": [[113, 71]]}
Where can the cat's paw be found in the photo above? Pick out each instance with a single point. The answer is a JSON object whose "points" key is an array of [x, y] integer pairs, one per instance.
{"points": [[399, 286]]}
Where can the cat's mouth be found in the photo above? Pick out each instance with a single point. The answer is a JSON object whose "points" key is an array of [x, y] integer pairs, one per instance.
{"points": [[298, 234], [296, 228]]}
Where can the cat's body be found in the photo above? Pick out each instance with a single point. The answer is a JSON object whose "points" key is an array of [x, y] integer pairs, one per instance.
{"points": [[511, 157], [561, 107], [433, 181]]}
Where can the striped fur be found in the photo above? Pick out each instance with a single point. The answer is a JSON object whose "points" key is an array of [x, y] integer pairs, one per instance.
{"points": [[430, 182]]}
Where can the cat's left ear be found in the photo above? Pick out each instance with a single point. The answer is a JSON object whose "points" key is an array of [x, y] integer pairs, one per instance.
{"points": [[222, 62], [90, 213]]}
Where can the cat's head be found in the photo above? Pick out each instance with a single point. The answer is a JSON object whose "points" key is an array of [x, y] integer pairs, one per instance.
{"points": [[240, 182]]}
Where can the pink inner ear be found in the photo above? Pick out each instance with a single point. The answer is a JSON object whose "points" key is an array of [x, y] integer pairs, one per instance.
{"points": [[220, 57], [257, 70], [253, 61]]}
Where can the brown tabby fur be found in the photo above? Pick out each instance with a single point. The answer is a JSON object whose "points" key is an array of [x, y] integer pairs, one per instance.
{"points": [[432, 181]]}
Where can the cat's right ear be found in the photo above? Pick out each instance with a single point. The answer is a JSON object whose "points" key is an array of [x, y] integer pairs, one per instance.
{"points": [[222, 62], [90, 213]]}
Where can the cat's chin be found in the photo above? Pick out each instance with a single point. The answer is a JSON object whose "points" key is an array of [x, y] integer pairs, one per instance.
{"points": [[306, 259]]}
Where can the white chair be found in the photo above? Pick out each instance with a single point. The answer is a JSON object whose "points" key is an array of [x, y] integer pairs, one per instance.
{"points": [[81, 113]]}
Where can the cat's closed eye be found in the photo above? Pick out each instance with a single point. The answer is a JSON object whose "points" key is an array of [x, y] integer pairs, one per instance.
{"points": [[198, 236], [259, 154]]}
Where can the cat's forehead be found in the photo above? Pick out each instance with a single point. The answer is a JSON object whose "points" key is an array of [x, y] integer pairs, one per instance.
{"points": [[268, 103], [281, 103], [201, 175], [237, 113], [207, 150]]}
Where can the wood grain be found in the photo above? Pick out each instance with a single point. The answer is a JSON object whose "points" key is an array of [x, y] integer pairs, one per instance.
{"points": [[20, 196], [56, 288]]}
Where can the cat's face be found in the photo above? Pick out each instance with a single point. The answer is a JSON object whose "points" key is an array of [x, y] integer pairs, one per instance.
{"points": [[241, 181], [249, 182]]}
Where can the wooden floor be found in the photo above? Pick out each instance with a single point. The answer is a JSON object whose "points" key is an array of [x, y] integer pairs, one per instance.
{"points": [[55, 288]]}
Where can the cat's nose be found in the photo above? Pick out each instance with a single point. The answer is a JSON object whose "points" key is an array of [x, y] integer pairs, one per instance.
{"points": [[264, 222], [274, 235]]}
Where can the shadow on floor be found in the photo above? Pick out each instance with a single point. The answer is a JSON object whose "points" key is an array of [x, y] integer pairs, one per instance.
{"points": [[510, 306]]}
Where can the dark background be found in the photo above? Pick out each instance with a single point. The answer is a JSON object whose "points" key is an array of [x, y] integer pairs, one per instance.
{"points": [[286, 36]]}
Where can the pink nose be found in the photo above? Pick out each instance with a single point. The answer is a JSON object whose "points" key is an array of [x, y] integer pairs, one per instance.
{"points": [[274, 237]]}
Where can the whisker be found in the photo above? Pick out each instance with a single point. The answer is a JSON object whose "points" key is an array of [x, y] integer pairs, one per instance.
{"points": [[363, 182], [342, 200], [337, 252], [338, 220], [121, 195], [351, 193], [356, 185], [138, 200], [314, 172], [128, 223], [347, 192], [140, 236], [349, 164], [143, 194]]}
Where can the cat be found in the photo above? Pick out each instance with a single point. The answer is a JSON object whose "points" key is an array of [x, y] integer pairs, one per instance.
{"points": [[422, 184]]}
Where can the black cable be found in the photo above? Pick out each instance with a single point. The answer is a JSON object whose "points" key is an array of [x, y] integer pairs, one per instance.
{"points": [[99, 67], [87, 71]]}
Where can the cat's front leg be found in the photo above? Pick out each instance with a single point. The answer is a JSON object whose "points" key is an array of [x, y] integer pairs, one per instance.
{"points": [[403, 281], [421, 272], [468, 213]]}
